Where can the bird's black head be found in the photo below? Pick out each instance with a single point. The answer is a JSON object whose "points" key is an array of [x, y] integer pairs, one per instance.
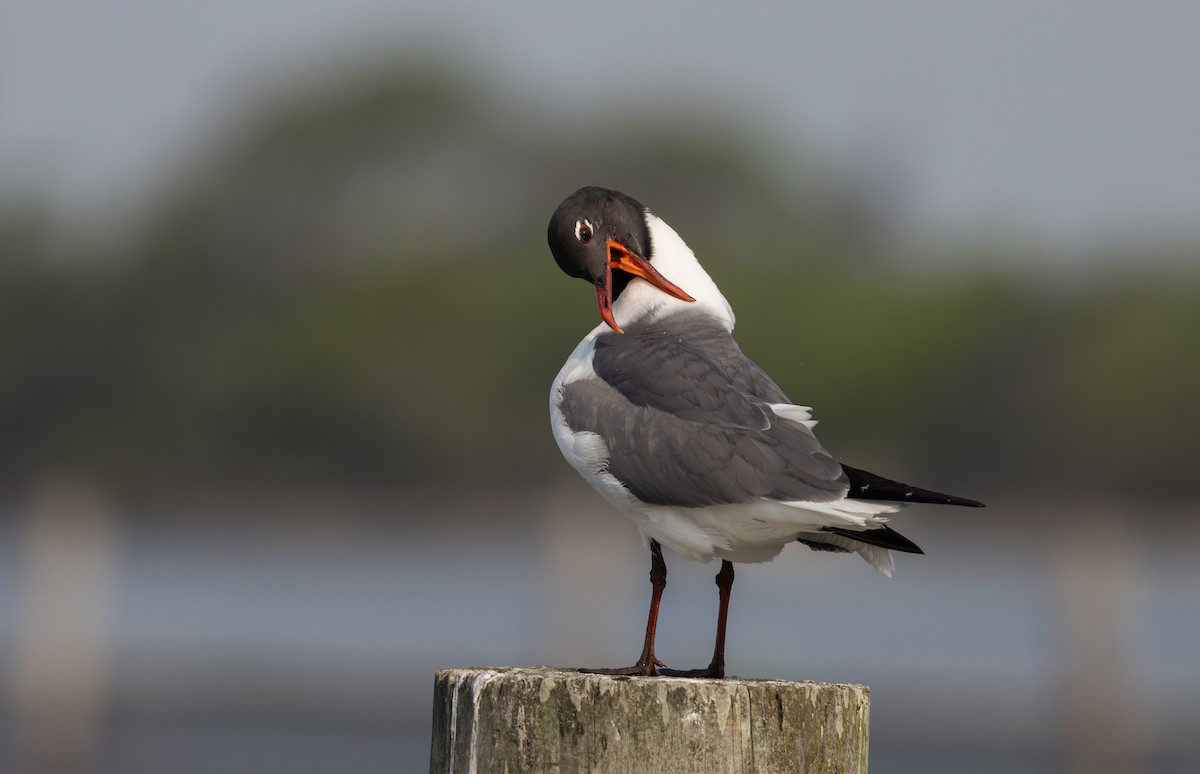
{"points": [[582, 225], [596, 231]]}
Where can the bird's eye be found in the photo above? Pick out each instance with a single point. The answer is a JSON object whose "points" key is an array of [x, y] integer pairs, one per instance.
{"points": [[583, 231]]}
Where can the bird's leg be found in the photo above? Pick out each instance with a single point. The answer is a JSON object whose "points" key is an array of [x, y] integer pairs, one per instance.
{"points": [[717, 667], [658, 581]]}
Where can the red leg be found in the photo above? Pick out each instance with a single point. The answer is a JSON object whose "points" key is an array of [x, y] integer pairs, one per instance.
{"points": [[658, 581]]}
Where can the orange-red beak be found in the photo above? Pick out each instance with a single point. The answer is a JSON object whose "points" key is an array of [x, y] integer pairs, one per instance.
{"points": [[620, 257]]}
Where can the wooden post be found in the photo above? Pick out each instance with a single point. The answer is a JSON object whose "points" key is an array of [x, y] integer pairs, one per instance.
{"points": [[535, 720]]}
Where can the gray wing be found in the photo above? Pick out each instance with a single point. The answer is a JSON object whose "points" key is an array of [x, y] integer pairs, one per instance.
{"points": [[684, 427]]}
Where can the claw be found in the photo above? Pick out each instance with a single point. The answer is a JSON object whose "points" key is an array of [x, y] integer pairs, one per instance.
{"points": [[711, 672], [637, 670]]}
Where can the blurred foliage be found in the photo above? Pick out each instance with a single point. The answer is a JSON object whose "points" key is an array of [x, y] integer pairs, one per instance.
{"points": [[355, 289]]}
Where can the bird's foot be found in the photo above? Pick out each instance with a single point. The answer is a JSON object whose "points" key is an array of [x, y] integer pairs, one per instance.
{"points": [[716, 671], [643, 668]]}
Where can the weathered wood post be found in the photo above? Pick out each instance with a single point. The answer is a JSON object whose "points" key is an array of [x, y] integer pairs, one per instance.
{"points": [[535, 720]]}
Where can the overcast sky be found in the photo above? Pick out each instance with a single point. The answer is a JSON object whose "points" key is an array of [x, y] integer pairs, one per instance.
{"points": [[1072, 121]]}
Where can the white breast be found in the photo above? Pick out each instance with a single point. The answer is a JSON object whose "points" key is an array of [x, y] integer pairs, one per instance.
{"points": [[675, 261], [586, 451]]}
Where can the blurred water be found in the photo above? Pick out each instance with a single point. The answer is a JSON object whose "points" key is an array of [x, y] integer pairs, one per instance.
{"points": [[269, 637]]}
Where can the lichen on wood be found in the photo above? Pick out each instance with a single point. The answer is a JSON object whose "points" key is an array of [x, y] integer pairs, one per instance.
{"points": [[548, 720]]}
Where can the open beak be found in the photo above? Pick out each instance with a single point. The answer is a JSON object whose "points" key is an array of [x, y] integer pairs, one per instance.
{"points": [[620, 257]]}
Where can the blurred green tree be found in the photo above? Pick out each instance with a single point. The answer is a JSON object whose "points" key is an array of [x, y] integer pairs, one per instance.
{"points": [[354, 289]]}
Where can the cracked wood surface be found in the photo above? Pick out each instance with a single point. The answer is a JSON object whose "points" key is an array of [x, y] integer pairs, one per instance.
{"points": [[550, 720]]}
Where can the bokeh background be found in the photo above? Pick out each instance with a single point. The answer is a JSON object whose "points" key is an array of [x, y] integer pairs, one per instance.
{"points": [[278, 321]]}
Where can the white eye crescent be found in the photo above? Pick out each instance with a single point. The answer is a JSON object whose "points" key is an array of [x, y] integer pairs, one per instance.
{"points": [[583, 231]]}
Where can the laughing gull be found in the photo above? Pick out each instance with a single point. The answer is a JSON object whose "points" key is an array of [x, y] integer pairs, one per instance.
{"points": [[659, 410]]}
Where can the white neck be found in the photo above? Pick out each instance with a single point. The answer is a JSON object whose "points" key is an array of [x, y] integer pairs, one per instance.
{"points": [[675, 261]]}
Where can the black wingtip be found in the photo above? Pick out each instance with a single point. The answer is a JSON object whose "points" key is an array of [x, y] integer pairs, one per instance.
{"points": [[883, 537], [869, 486]]}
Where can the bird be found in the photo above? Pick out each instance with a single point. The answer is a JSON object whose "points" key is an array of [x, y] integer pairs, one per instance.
{"points": [[658, 409]]}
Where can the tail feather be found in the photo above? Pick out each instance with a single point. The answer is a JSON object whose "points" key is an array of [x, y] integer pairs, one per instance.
{"points": [[868, 486], [876, 556], [818, 545]]}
